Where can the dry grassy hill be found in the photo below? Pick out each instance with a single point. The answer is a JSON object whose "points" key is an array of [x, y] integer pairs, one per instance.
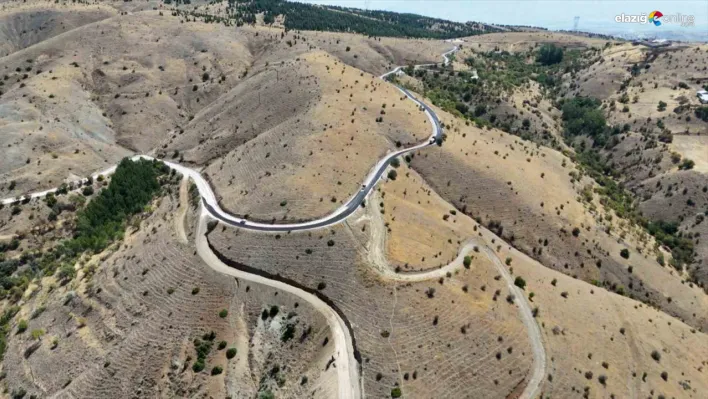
{"points": [[598, 343], [24, 25], [525, 41], [285, 125], [197, 92], [535, 198], [125, 326], [651, 94], [431, 338]]}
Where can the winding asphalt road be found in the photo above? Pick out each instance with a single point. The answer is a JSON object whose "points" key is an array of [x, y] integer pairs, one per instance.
{"points": [[350, 383], [211, 204]]}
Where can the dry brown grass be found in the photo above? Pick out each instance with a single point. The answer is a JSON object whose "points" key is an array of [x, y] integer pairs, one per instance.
{"points": [[494, 176], [593, 327], [586, 328], [395, 323], [525, 41], [314, 162], [131, 316]]}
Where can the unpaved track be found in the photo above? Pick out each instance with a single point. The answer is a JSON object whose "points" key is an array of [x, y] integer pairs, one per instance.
{"points": [[534, 332], [346, 365], [182, 211], [376, 255]]}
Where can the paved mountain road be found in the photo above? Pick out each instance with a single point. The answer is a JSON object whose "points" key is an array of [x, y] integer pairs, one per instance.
{"points": [[348, 369]]}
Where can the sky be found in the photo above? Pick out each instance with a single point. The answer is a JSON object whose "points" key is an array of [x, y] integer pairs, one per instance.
{"points": [[595, 16]]}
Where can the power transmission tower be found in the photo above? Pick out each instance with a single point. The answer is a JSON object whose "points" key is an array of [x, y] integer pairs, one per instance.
{"points": [[575, 23]]}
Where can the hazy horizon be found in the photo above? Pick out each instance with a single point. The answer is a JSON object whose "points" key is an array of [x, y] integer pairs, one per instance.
{"points": [[595, 16]]}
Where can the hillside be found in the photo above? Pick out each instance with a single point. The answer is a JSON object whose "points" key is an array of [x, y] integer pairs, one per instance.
{"points": [[303, 16], [543, 242]]}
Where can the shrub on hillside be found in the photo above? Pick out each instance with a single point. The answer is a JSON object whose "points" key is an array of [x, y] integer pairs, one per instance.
{"points": [[624, 253], [549, 54]]}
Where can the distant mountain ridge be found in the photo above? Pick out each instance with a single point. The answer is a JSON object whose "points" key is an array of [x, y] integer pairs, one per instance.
{"points": [[302, 16]]}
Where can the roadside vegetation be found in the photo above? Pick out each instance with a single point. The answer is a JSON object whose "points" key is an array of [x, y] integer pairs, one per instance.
{"points": [[477, 96]]}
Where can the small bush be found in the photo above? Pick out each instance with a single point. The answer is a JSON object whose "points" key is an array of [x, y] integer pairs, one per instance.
{"points": [[195, 290], [520, 282], [274, 311], [467, 262], [392, 174], [686, 164], [231, 353], [396, 392], [198, 366], [624, 253], [22, 326], [222, 345], [288, 333], [37, 334], [656, 355], [223, 313], [216, 370]]}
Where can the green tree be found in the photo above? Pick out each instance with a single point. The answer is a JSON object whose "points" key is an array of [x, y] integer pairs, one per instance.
{"points": [[549, 54]]}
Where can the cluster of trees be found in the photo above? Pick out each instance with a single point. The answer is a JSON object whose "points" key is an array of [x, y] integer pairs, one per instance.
{"points": [[582, 116], [98, 224], [103, 220], [301, 16], [499, 72], [549, 54], [667, 233]]}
